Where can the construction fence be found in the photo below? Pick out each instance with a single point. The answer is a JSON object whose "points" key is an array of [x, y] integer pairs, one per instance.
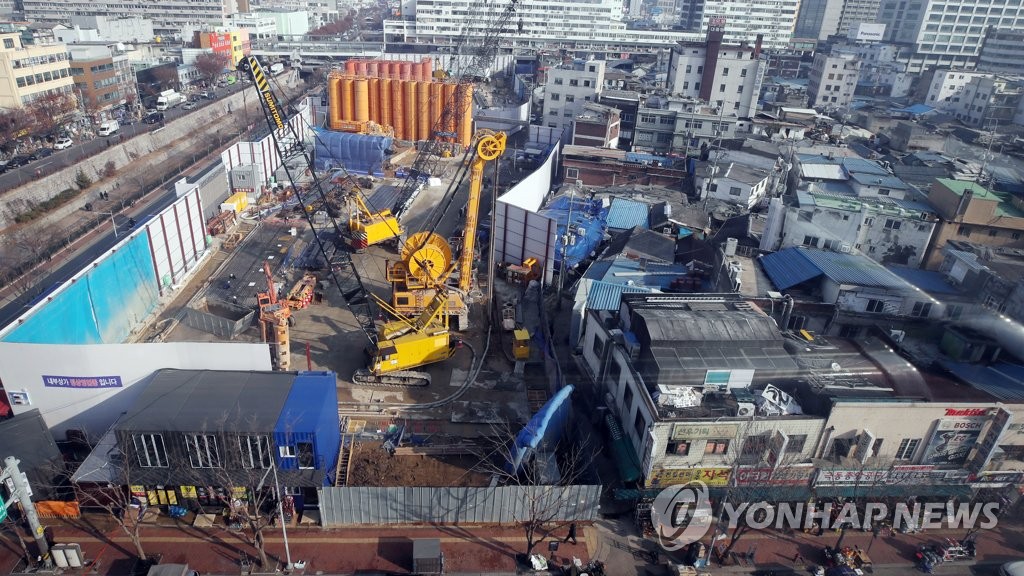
{"points": [[348, 505]]}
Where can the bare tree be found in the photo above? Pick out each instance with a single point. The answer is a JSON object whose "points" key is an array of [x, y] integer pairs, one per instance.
{"points": [[211, 65], [167, 77], [11, 532], [547, 505], [21, 247], [14, 123], [50, 110]]}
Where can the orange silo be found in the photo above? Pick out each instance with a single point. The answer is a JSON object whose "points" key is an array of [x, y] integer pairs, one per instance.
{"points": [[449, 121], [397, 110], [347, 105], [350, 66], [374, 100], [334, 103], [361, 99], [427, 67], [361, 67], [409, 95], [405, 70], [385, 102], [436, 105], [423, 110], [465, 119], [371, 68]]}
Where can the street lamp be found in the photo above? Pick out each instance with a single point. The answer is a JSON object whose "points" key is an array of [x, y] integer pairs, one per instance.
{"points": [[112, 222], [280, 511]]}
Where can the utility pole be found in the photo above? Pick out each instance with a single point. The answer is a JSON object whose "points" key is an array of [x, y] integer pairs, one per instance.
{"points": [[21, 492]]}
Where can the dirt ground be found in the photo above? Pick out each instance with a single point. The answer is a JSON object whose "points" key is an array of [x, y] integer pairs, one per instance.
{"points": [[371, 466]]}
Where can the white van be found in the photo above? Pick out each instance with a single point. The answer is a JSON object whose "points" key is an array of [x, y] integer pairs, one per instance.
{"points": [[109, 127]]}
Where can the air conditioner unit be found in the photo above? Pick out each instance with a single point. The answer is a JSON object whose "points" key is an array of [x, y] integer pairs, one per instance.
{"points": [[845, 248], [745, 409]]}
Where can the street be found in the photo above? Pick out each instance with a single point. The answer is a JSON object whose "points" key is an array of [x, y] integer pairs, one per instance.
{"points": [[81, 150]]}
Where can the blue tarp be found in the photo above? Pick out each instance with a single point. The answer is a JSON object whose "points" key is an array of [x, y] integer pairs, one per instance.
{"points": [[545, 427], [588, 225], [357, 153]]}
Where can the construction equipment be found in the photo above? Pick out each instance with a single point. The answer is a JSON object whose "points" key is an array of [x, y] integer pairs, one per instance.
{"points": [[521, 344], [301, 294], [274, 320], [368, 228], [427, 259], [529, 270]]}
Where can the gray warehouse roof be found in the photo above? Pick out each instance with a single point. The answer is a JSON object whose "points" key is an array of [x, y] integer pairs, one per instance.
{"points": [[710, 326], [193, 400]]}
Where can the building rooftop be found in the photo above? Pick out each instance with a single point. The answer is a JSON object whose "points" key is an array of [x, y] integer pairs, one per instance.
{"points": [[623, 270], [930, 281], [639, 242], [886, 181], [1005, 206], [793, 266], [190, 400], [600, 295], [625, 214], [708, 323], [746, 174]]}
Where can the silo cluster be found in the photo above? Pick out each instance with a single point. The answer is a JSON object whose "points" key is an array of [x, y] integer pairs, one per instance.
{"points": [[400, 94]]}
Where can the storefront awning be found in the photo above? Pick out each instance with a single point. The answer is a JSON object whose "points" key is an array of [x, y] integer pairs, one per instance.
{"points": [[763, 493], [622, 451]]}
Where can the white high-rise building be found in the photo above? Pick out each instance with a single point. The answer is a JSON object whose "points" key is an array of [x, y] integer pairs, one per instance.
{"points": [[832, 81], [723, 75], [774, 20], [171, 18], [946, 34], [856, 12], [582, 24]]}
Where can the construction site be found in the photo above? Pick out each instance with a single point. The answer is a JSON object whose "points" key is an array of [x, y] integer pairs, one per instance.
{"points": [[373, 265]]}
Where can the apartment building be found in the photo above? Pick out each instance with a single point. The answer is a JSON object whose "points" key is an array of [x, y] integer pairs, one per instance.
{"points": [[972, 212], [833, 81], [680, 126], [569, 87], [257, 25], [857, 12], [773, 20], [172, 19], [123, 29], [724, 75], [1002, 51], [30, 71], [104, 79], [991, 102], [945, 91], [946, 34]]}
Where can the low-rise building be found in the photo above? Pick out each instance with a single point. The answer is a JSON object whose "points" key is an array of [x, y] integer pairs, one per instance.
{"points": [[989, 102], [116, 29], [970, 211], [746, 175], [677, 126], [945, 91], [259, 25], [104, 78], [568, 89], [596, 125], [30, 71], [833, 81], [608, 167], [849, 176]]}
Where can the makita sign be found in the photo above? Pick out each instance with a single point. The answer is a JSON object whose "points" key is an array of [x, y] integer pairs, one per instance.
{"points": [[967, 411]]}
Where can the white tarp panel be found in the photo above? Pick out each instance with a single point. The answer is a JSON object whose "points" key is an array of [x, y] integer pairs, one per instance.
{"points": [[177, 237], [86, 387]]}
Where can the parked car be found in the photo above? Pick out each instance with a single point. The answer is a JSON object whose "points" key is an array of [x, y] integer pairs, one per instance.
{"points": [[190, 105], [18, 161], [62, 143], [154, 118], [209, 95], [41, 153]]}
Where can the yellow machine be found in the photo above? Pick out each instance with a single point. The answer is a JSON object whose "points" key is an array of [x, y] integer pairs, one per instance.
{"points": [[516, 274], [369, 228], [427, 258], [521, 344]]}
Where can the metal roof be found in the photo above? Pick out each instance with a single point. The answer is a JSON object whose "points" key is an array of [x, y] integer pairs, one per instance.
{"points": [[194, 400], [819, 171], [606, 295], [708, 326], [622, 270], [884, 181], [1002, 380], [625, 214], [791, 266], [927, 280]]}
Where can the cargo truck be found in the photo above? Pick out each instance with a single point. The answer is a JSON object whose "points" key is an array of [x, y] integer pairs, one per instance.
{"points": [[169, 99]]}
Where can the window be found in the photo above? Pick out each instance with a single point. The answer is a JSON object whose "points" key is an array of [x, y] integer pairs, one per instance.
{"points": [[963, 231], [725, 72], [307, 460], [796, 443], [254, 451], [754, 446], [735, 191], [639, 424], [586, 83], [558, 81], [811, 241], [572, 173], [287, 451], [8, 43], [721, 87], [202, 450], [875, 306], [555, 96], [574, 82], [993, 233], [830, 245], [686, 85], [743, 73], [884, 191], [689, 68], [569, 98], [739, 89], [678, 448], [151, 451], [891, 224], [627, 399], [700, 69], [921, 309], [907, 448], [717, 446], [598, 346], [953, 311], [849, 332]]}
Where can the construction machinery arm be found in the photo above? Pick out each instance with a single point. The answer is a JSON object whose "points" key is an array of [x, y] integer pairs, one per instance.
{"points": [[339, 262], [429, 154], [489, 147]]}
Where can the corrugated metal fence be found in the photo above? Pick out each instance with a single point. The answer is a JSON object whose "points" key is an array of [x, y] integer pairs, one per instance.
{"points": [[345, 506]]}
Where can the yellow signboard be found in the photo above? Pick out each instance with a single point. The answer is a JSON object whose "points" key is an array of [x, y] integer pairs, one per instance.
{"points": [[670, 477], [710, 430], [187, 491]]}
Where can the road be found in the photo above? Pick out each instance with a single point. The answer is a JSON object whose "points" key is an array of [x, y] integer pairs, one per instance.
{"points": [[84, 149]]}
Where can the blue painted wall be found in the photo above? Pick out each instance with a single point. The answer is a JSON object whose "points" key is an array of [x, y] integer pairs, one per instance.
{"points": [[310, 414], [102, 306]]}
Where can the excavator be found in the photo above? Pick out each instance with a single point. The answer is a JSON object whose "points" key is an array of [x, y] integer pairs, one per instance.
{"points": [[426, 258]]}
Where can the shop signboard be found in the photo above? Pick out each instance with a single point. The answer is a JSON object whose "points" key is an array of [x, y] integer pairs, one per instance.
{"points": [[982, 453], [903, 475], [709, 476], [953, 440], [791, 476], [709, 430]]}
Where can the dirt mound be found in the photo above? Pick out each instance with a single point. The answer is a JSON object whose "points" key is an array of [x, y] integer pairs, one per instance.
{"points": [[372, 466]]}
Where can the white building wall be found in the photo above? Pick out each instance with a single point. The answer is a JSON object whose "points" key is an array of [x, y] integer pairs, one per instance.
{"points": [[737, 80], [290, 23], [832, 81], [774, 19], [946, 89], [566, 92]]}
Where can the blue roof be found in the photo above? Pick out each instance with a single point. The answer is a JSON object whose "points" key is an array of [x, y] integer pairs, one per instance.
{"points": [[862, 165], [622, 270], [1003, 380], [607, 295], [927, 280], [884, 181], [917, 109], [792, 266], [625, 214]]}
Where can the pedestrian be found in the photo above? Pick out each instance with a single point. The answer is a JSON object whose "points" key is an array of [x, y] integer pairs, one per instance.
{"points": [[798, 559], [572, 534]]}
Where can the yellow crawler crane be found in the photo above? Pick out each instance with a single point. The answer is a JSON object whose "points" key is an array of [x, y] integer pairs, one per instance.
{"points": [[426, 258]]}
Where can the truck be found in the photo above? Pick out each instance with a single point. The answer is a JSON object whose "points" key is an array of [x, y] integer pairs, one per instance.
{"points": [[108, 128], [277, 68], [169, 99]]}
